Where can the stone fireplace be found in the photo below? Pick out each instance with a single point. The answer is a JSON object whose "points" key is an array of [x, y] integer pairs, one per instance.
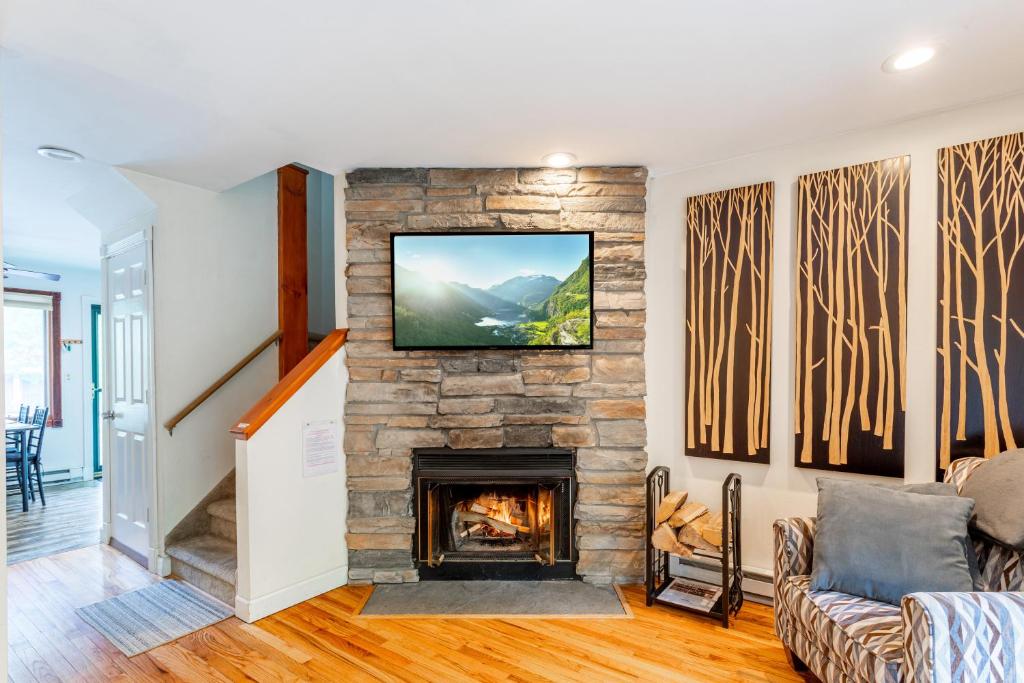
{"points": [[481, 410]]}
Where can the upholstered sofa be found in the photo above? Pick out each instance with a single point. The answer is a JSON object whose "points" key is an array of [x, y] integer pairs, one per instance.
{"points": [[935, 637]]}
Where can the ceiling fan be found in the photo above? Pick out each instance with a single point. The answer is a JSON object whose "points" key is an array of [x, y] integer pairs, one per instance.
{"points": [[11, 269]]}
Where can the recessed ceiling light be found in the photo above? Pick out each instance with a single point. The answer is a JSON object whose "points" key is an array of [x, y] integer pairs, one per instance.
{"points": [[559, 160], [909, 59], [59, 154]]}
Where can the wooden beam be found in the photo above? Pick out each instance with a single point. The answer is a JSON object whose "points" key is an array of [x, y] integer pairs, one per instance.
{"points": [[292, 294]]}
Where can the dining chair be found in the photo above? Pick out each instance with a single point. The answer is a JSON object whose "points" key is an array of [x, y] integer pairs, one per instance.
{"points": [[15, 441], [35, 452]]}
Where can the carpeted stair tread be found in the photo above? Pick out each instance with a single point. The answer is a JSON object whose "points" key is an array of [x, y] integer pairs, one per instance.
{"points": [[223, 509], [211, 554]]}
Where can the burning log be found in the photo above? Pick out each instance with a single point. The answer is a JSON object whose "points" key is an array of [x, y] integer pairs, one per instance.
{"points": [[469, 517], [467, 531], [669, 504]]}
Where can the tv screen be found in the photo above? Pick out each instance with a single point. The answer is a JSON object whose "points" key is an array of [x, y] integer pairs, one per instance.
{"points": [[492, 290]]}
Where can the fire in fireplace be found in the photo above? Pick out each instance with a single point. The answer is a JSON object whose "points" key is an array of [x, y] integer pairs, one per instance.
{"points": [[504, 519], [495, 513]]}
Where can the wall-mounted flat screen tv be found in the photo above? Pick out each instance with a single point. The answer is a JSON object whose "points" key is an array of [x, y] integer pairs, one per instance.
{"points": [[492, 290]]}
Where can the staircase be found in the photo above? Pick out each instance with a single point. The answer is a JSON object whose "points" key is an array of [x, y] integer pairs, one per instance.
{"points": [[209, 561]]}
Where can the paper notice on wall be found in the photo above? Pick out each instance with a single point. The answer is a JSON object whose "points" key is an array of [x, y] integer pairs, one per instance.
{"points": [[320, 451]]}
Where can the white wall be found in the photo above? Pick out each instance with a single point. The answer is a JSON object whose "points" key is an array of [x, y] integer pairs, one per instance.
{"points": [[291, 529], [779, 489], [69, 447], [215, 293]]}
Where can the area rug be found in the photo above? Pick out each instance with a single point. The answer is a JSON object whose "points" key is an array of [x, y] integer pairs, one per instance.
{"points": [[152, 616], [496, 599]]}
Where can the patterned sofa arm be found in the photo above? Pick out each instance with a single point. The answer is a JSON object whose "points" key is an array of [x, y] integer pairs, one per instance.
{"points": [[794, 546], [794, 550], [963, 637]]}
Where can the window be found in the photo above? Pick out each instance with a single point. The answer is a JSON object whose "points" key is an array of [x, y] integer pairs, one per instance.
{"points": [[32, 351]]}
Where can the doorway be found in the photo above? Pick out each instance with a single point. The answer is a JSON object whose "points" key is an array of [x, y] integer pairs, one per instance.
{"points": [[54, 503]]}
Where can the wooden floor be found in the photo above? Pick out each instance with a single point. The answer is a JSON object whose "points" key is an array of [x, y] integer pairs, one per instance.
{"points": [[320, 640], [71, 519]]}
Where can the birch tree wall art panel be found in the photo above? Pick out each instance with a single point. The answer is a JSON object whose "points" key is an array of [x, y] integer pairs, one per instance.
{"points": [[980, 406], [851, 318], [729, 323]]}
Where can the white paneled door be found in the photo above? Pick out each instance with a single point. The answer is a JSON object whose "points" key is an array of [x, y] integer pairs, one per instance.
{"points": [[128, 416]]}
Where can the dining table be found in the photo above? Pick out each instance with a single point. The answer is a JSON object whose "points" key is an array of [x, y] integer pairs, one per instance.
{"points": [[22, 430]]}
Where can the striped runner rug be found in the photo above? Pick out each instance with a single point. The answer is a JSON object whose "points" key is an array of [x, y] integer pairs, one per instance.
{"points": [[152, 616]]}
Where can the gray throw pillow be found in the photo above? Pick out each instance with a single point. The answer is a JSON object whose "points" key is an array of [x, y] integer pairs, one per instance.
{"points": [[997, 487], [928, 488], [880, 543], [935, 488]]}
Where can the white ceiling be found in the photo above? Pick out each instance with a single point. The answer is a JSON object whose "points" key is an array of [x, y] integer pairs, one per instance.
{"points": [[40, 225], [215, 93]]}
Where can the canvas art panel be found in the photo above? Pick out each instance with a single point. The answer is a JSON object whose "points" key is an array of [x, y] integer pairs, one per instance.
{"points": [[729, 322], [851, 318], [980, 350]]}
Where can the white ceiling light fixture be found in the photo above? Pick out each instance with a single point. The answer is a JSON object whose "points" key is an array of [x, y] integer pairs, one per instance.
{"points": [[59, 154], [908, 59], [559, 159]]}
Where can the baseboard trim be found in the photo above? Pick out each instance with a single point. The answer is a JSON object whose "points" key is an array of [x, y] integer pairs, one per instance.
{"points": [[129, 553], [249, 610]]}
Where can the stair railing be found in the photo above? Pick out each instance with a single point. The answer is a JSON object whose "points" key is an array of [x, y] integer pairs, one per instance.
{"points": [[221, 381], [279, 394]]}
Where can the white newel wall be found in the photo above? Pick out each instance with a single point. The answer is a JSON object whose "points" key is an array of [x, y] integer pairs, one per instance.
{"points": [[291, 529]]}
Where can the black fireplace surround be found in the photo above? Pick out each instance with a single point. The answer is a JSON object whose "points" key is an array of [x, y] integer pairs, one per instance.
{"points": [[496, 513]]}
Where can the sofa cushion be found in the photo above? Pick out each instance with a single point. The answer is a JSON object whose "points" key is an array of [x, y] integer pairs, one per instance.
{"points": [[881, 544], [995, 486], [862, 637]]}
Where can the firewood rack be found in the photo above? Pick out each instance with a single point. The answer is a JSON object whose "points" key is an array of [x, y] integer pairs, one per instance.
{"points": [[730, 562]]}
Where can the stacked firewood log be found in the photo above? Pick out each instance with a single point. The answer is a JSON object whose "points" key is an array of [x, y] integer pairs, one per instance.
{"points": [[682, 527]]}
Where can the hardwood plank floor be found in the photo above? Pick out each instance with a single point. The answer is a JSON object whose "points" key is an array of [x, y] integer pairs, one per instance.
{"points": [[321, 640], [72, 519]]}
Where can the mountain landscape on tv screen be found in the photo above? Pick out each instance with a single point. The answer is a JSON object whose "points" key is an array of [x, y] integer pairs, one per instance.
{"points": [[527, 310]]}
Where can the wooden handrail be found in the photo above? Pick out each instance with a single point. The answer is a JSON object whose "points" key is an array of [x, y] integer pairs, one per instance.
{"points": [[265, 408], [224, 379]]}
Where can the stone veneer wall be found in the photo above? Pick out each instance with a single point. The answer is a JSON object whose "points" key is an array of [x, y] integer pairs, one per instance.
{"points": [[592, 401]]}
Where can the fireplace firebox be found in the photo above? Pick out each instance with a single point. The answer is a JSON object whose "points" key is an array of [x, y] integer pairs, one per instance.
{"points": [[503, 513]]}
